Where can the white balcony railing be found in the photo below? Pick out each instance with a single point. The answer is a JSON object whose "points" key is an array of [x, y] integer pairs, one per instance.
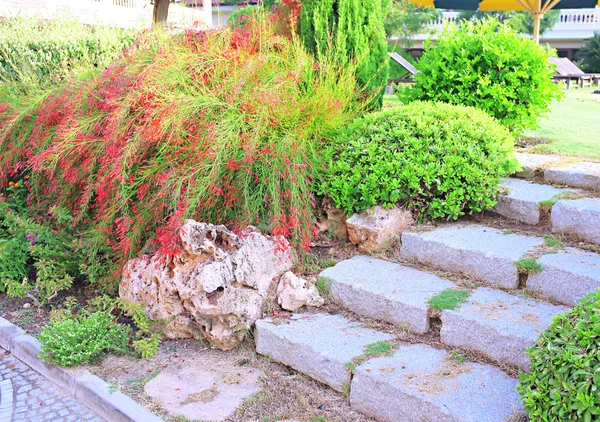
{"points": [[120, 13], [577, 24]]}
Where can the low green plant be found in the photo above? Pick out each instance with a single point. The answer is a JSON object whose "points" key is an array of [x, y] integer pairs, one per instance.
{"points": [[563, 381], [83, 339], [449, 299], [439, 160], [36, 53], [324, 285], [378, 348], [487, 65], [529, 265], [553, 242], [458, 356]]}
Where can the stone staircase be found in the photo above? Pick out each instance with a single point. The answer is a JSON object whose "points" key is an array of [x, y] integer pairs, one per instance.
{"points": [[460, 363]]}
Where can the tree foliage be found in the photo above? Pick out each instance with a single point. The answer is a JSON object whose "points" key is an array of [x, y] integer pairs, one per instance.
{"points": [[519, 21], [355, 30], [589, 55], [406, 20]]}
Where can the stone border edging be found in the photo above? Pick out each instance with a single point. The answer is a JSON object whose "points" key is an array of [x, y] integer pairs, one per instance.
{"points": [[87, 388]]}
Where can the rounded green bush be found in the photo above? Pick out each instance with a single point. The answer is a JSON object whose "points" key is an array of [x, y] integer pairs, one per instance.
{"points": [[563, 383], [489, 66], [438, 159]]}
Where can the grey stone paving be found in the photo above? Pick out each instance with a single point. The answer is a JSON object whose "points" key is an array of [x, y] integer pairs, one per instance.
{"points": [[532, 162], [580, 217], [420, 383], [384, 290], [567, 276], [36, 399], [579, 175], [522, 201], [319, 345], [498, 325], [481, 252]]}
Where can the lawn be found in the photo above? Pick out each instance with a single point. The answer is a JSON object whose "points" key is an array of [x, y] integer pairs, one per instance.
{"points": [[572, 127]]}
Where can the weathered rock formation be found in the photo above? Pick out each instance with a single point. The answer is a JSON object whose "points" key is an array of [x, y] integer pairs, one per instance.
{"points": [[294, 292], [372, 229], [214, 288]]}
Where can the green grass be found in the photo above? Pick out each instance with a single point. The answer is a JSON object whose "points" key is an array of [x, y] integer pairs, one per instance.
{"points": [[448, 299], [553, 242], [390, 101], [529, 265], [324, 285], [378, 348], [571, 127]]}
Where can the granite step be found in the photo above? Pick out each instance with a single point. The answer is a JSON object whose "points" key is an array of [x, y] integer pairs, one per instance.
{"points": [[579, 217], [498, 325], [318, 345], [386, 291], [585, 175], [566, 276], [420, 383], [523, 201], [533, 164], [474, 250]]}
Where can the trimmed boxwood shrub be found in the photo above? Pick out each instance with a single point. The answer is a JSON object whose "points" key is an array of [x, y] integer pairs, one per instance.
{"points": [[438, 159], [563, 382], [489, 66]]}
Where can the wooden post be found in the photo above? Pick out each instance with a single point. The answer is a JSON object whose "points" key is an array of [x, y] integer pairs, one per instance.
{"points": [[537, 17]]}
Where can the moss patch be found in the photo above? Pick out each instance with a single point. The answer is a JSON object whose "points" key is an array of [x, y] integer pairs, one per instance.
{"points": [[449, 299]]}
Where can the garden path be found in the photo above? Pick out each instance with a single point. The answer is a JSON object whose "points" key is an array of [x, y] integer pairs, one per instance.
{"points": [[27, 396], [441, 333]]}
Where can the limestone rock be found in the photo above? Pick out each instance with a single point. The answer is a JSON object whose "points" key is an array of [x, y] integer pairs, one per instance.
{"points": [[333, 221], [213, 288], [294, 292], [371, 229]]}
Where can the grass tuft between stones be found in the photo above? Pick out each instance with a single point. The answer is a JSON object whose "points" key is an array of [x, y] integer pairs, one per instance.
{"points": [[324, 285], [373, 350], [529, 265], [449, 299], [553, 242]]}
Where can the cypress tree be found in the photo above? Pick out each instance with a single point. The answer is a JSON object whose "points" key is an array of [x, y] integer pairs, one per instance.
{"points": [[355, 30]]}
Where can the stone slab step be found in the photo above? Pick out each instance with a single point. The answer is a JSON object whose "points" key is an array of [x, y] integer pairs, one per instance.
{"points": [[522, 200], [481, 252], [420, 383], [532, 163], [386, 291], [497, 324], [580, 217], [566, 276], [318, 345], [584, 175]]}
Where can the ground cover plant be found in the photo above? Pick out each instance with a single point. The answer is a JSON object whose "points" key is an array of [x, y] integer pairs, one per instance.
{"points": [[440, 160], [488, 66], [38, 54], [223, 126], [563, 381]]}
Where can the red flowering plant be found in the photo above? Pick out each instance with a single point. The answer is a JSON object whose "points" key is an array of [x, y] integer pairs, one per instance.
{"points": [[225, 126]]}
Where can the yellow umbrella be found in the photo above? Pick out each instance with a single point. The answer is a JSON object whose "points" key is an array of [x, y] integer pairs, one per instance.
{"points": [[537, 8]]}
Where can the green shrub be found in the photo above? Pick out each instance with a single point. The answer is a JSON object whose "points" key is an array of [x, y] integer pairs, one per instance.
{"points": [[355, 29], [564, 378], [240, 16], [589, 55], [438, 159], [224, 126], [42, 53], [83, 339], [488, 66]]}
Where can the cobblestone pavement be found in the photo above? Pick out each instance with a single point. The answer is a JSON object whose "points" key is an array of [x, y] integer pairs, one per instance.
{"points": [[35, 399]]}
